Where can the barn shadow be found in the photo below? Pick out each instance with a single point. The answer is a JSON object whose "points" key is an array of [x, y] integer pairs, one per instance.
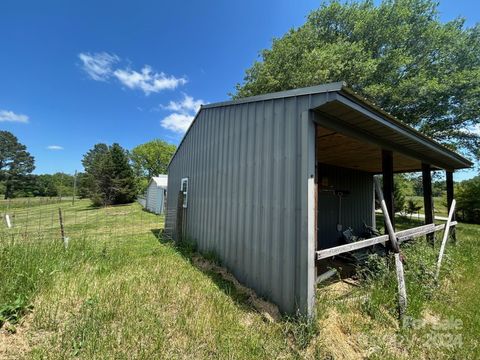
{"points": [[210, 265]]}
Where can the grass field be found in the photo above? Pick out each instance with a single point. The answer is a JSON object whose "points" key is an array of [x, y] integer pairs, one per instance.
{"points": [[144, 298], [439, 204]]}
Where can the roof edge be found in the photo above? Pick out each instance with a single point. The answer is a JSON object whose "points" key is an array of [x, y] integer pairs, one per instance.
{"points": [[369, 105], [338, 87], [317, 89]]}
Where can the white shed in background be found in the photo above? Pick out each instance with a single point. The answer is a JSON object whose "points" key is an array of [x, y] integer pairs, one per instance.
{"points": [[156, 194]]}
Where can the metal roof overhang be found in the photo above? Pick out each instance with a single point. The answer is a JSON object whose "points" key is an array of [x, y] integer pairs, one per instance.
{"points": [[366, 124], [359, 130]]}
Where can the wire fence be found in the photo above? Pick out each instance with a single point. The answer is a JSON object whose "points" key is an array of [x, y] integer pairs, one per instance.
{"points": [[59, 220]]}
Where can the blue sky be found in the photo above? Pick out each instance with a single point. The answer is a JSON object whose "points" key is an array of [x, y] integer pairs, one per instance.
{"points": [[75, 73]]}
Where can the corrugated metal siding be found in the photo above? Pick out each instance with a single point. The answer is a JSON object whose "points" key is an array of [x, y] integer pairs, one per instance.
{"points": [[152, 197], [243, 164], [357, 206], [155, 198]]}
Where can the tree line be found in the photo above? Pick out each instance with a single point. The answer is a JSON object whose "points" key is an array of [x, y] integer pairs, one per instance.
{"points": [[112, 175]]}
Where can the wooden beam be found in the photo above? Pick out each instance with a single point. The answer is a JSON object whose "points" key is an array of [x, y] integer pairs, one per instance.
{"points": [[336, 124], [444, 240], [402, 292], [450, 196], [387, 171], [427, 195], [402, 236]]}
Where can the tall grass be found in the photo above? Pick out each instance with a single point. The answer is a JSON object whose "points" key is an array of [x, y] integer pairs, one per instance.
{"points": [[143, 298], [28, 269]]}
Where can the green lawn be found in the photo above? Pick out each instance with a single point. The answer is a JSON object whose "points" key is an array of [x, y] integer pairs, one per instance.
{"points": [[439, 204], [137, 297]]}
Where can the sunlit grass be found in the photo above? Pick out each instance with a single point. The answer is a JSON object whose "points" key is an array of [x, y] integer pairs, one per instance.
{"points": [[137, 297]]}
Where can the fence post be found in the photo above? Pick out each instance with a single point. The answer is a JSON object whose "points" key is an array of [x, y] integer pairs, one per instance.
{"points": [[62, 230], [7, 219], [180, 216]]}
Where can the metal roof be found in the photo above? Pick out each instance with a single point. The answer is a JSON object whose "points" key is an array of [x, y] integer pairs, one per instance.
{"points": [[437, 153], [160, 180]]}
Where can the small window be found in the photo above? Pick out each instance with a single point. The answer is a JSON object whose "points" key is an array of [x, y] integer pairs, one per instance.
{"points": [[184, 189]]}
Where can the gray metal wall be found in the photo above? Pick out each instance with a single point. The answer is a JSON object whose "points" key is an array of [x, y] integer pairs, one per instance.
{"points": [[248, 172], [357, 206]]}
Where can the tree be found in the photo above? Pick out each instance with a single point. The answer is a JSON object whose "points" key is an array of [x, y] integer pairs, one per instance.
{"points": [[96, 178], [152, 158], [108, 175], [15, 163], [44, 186], [398, 54], [412, 207], [123, 180], [58, 184], [83, 185], [398, 193], [468, 200]]}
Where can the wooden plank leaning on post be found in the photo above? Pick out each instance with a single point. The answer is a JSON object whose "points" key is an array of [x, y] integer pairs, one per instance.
{"points": [[402, 292], [445, 237]]}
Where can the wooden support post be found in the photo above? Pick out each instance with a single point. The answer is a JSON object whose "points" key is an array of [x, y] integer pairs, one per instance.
{"points": [[402, 292], [179, 231], [450, 196], [387, 171], [444, 240], [427, 196]]}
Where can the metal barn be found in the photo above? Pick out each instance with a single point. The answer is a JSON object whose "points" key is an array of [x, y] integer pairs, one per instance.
{"points": [[156, 194], [260, 182]]}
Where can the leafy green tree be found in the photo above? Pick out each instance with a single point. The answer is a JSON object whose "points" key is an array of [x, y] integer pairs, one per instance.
{"points": [[15, 163], [108, 175], [468, 200], [58, 184], [44, 186], [399, 193], [398, 54], [152, 158], [2, 188]]}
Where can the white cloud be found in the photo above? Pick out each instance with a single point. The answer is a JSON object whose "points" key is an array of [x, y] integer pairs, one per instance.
{"points": [[99, 65], [183, 113], [147, 80], [187, 105], [55, 147], [10, 116], [103, 66], [177, 122]]}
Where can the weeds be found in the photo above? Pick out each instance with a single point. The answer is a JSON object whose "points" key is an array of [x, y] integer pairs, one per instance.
{"points": [[143, 298], [301, 330]]}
